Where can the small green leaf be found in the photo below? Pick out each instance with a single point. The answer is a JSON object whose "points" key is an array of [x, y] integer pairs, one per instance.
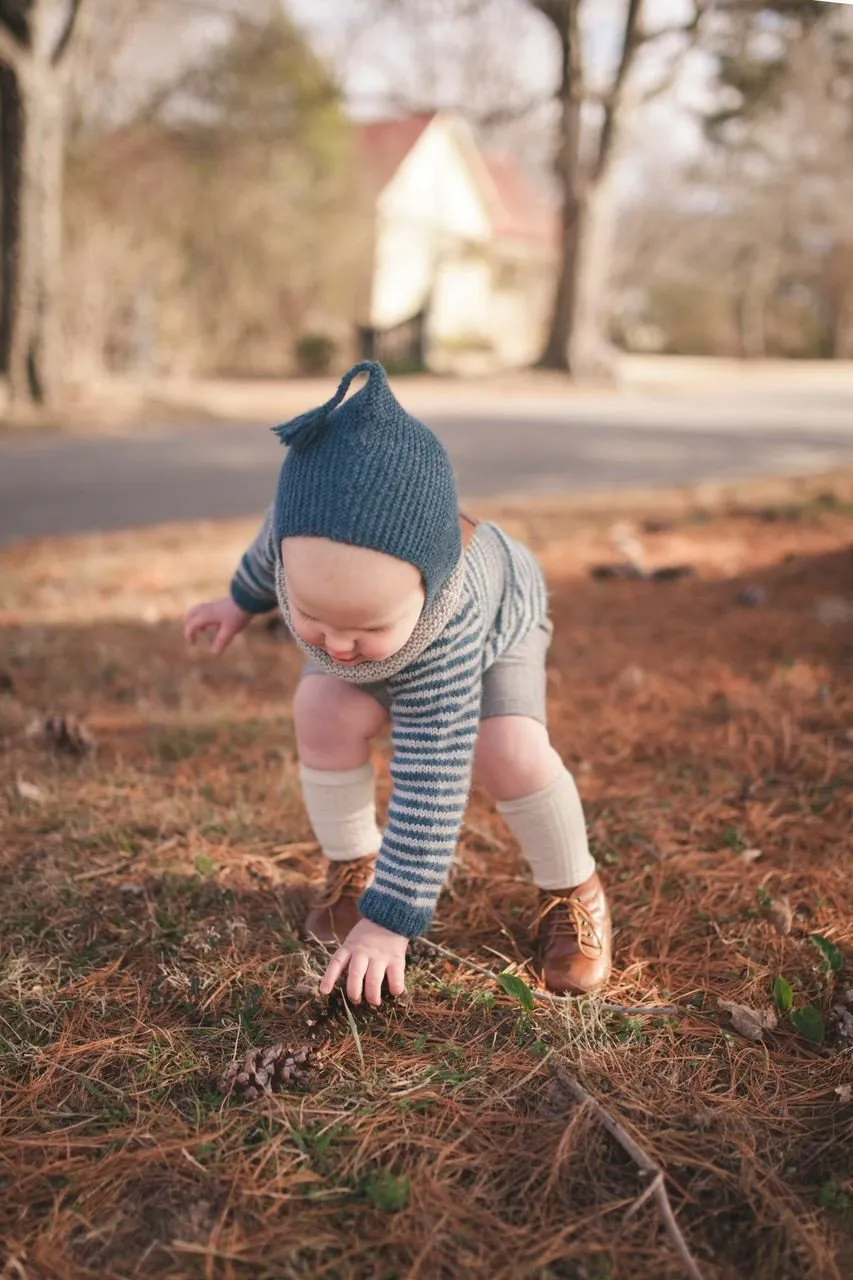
{"points": [[829, 951], [809, 1022], [205, 866], [834, 1199], [388, 1193], [518, 989], [783, 994]]}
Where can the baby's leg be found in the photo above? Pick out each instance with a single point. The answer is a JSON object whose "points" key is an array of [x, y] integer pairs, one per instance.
{"points": [[334, 723], [537, 798]]}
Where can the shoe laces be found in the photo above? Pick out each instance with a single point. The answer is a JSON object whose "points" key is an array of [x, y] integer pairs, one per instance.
{"points": [[345, 879], [572, 918]]}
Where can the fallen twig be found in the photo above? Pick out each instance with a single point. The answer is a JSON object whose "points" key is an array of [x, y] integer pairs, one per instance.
{"points": [[103, 871], [353, 1026], [545, 997], [657, 1186]]}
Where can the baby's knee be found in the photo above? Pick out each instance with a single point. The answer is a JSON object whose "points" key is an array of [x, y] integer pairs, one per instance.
{"points": [[334, 722], [514, 757]]}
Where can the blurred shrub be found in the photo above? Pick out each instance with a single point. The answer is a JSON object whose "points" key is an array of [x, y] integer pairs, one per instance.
{"points": [[314, 354]]}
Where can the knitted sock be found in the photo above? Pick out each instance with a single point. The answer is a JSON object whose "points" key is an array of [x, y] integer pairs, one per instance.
{"points": [[341, 807], [549, 825]]}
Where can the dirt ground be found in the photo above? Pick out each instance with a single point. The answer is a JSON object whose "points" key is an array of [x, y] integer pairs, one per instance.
{"points": [[118, 404], [153, 880]]}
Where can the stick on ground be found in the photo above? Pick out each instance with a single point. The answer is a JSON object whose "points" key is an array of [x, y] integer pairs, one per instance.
{"points": [[657, 1186], [545, 997]]}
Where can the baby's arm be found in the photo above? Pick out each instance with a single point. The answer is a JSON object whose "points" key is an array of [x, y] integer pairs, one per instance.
{"points": [[435, 717], [253, 584], [252, 591]]}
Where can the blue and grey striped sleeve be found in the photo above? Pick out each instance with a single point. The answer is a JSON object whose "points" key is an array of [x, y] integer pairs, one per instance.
{"points": [[435, 716], [253, 585]]}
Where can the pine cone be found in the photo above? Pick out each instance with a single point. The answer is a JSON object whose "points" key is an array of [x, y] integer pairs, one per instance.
{"points": [[423, 955], [64, 734], [327, 1014], [267, 1071]]}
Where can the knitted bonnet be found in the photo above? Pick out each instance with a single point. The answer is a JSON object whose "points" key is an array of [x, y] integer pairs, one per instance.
{"points": [[364, 471]]}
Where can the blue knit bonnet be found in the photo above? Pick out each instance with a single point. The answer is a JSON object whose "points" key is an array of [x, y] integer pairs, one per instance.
{"points": [[365, 472]]}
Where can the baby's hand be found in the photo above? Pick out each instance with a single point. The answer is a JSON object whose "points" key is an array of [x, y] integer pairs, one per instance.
{"points": [[371, 953], [226, 616]]}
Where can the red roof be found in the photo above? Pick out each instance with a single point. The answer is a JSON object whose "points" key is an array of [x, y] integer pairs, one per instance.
{"points": [[388, 142], [518, 209]]}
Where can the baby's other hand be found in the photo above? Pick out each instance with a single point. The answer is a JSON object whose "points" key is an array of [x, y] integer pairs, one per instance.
{"points": [[224, 616], [371, 953]]}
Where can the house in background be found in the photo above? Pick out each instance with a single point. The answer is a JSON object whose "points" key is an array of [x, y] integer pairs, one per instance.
{"points": [[464, 249]]}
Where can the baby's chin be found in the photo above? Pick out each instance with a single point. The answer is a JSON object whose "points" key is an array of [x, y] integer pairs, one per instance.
{"points": [[360, 659]]}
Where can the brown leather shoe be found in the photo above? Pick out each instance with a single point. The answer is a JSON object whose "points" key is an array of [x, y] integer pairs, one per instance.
{"points": [[335, 910], [575, 933]]}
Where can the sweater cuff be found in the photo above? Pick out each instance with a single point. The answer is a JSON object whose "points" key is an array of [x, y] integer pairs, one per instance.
{"points": [[391, 913], [249, 603]]}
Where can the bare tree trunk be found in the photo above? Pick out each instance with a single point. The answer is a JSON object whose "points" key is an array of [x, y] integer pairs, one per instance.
{"points": [[35, 57], [755, 274], [10, 187], [35, 357], [578, 341], [591, 353], [563, 14]]}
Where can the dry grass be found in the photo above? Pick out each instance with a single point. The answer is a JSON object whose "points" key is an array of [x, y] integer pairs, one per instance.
{"points": [[151, 895]]}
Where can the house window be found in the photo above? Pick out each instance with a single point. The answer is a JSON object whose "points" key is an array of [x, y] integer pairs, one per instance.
{"points": [[507, 276]]}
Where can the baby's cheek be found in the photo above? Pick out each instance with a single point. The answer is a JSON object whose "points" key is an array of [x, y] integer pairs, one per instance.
{"points": [[372, 649], [310, 634], [376, 647]]}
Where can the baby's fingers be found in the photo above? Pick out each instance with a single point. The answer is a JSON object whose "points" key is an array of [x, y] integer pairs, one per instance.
{"points": [[355, 977], [337, 965], [197, 620], [373, 981], [396, 977], [224, 635]]}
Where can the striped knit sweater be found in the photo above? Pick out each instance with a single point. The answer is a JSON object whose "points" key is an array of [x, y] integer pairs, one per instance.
{"points": [[493, 600]]}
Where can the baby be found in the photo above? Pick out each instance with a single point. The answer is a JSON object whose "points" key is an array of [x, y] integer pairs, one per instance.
{"points": [[409, 611]]}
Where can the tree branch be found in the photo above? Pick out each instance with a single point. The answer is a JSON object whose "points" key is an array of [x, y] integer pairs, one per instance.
{"points": [[633, 39], [67, 32], [12, 52], [505, 115], [700, 7], [545, 997], [614, 97], [646, 1165]]}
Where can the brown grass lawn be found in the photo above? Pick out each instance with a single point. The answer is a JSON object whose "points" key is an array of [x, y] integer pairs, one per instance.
{"points": [[151, 893]]}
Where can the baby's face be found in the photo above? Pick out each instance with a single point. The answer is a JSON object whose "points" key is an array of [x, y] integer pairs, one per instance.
{"points": [[358, 605]]}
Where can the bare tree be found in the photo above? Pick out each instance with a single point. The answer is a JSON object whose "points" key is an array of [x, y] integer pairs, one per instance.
{"points": [[34, 42], [578, 339], [37, 39]]}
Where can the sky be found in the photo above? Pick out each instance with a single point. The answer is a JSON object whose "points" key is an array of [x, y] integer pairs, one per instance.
{"points": [[372, 57], [511, 57]]}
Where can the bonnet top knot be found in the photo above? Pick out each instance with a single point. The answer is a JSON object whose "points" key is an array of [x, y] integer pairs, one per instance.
{"points": [[362, 470], [304, 429]]}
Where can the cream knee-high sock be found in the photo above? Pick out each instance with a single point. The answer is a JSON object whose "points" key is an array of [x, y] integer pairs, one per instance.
{"points": [[549, 825], [341, 808]]}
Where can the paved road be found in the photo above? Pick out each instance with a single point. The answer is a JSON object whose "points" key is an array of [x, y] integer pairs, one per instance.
{"points": [[59, 485]]}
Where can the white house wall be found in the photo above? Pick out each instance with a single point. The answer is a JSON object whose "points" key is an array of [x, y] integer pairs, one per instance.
{"points": [[429, 209]]}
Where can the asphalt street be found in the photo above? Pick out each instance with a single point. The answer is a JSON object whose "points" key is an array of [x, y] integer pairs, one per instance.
{"points": [[71, 484]]}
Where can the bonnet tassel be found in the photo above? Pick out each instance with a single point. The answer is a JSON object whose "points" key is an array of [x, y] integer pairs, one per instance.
{"points": [[302, 430]]}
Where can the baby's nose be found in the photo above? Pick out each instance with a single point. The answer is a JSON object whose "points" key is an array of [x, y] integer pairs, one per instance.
{"points": [[340, 644]]}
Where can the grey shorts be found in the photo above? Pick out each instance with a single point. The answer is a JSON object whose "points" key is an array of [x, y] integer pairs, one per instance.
{"points": [[515, 685]]}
